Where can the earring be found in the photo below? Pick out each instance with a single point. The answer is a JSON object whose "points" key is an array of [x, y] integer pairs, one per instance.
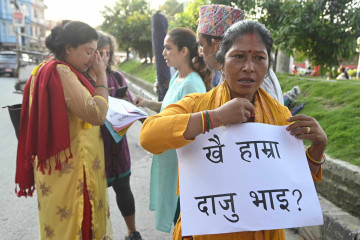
{"points": [[193, 60]]}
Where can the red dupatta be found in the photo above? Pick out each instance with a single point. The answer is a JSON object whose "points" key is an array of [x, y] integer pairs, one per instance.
{"points": [[44, 127]]}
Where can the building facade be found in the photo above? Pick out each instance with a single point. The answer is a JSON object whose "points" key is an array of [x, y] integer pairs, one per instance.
{"points": [[32, 33]]}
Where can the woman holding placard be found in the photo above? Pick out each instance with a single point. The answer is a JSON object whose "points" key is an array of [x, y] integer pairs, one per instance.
{"points": [[245, 54]]}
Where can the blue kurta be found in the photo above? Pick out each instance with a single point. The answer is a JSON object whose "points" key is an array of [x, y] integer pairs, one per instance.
{"points": [[164, 168]]}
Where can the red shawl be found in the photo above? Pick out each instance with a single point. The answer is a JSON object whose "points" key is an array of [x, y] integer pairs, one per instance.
{"points": [[45, 131]]}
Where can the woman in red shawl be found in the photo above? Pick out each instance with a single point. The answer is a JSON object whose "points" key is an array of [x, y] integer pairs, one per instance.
{"points": [[60, 147]]}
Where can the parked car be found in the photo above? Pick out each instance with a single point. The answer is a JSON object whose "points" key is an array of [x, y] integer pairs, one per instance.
{"points": [[8, 63]]}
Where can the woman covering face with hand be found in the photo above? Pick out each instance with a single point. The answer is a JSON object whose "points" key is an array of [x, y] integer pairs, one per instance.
{"points": [[117, 155], [60, 148], [245, 55]]}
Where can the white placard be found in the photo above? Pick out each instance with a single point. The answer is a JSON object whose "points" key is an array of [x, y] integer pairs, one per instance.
{"points": [[246, 177]]}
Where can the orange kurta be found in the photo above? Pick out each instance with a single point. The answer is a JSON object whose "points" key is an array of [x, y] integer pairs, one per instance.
{"points": [[165, 131]]}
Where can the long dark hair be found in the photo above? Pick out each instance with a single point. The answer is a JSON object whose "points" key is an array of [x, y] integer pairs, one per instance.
{"points": [[73, 33], [184, 37]]}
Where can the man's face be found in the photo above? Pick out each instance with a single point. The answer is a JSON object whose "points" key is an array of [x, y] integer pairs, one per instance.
{"points": [[207, 51]]}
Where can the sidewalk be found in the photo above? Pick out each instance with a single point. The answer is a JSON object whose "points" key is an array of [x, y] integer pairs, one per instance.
{"points": [[341, 184]]}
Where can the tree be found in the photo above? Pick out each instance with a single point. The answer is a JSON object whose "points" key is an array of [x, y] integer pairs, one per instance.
{"points": [[141, 35], [188, 18], [248, 5], [130, 22], [171, 7], [324, 31]]}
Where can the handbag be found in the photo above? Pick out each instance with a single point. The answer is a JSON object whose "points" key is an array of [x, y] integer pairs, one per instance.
{"points": [[15, 113]]}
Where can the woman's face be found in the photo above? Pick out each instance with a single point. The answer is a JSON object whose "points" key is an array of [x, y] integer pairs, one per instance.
{"points": [[80, 57], [105, 50], [246, 64], [172, 55]]}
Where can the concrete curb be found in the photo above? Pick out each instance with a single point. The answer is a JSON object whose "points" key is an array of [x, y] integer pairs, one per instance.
{"points": [[140, 82], [341, 184], [338, 225]]}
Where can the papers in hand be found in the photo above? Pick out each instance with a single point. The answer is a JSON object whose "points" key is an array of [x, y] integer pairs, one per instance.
{"points": [[121, 115]]}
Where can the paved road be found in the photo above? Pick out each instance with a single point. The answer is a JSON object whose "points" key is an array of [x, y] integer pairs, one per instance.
{"points": [[18, 216]]}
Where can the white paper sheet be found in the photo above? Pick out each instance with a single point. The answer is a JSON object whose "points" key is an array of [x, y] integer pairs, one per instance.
{"points": [[121, 113], [246, 162]]}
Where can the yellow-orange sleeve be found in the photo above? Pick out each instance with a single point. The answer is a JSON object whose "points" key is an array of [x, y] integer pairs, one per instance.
{"points": [[165, 130]]}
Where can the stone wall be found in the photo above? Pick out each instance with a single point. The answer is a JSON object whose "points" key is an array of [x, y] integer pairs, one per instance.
{"points": [[341, 185]]}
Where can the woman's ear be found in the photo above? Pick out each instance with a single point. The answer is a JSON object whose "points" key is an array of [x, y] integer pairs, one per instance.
{"points": [[184, 51], [68, 49], [215, 44]]}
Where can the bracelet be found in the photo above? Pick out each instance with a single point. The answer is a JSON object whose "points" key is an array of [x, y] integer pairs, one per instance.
{"points": [[97, 86], [205, 125], [313, 160], [211, 119], [202, 123], [207, 121]]}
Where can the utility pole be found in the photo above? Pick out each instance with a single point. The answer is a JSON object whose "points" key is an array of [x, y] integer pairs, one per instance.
{"points": [[18, 22]]}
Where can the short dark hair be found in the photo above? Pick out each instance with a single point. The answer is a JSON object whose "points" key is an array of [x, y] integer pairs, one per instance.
{"points": [[73, 33], [244, 27]]}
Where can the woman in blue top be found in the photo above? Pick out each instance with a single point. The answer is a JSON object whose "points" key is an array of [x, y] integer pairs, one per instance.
{"points": [[180, 52]]}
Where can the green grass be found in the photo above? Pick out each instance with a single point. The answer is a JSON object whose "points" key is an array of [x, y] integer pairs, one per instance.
{"points": [[146, 72], [335, 105]]}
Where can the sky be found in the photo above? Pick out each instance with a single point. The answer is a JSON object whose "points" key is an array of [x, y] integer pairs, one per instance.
{"points": [[82, 10]]}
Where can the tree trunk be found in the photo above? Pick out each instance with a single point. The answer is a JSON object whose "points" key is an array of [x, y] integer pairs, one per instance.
{"points": [[275, 60], [282, 62], [127, 54]]}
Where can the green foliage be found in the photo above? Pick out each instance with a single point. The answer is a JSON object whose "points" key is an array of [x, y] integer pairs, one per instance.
{"points": [[171, 7], [146, 72], [325, 30], [352, 73], [336, 107], [299, 56], [129, 21], [188, 18], [141, 34], [247, 5]]}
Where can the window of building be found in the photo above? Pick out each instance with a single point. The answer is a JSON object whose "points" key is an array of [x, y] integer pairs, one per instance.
{"points": [[5, 4], [3, 28], [25, 9], [12, 30]]}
